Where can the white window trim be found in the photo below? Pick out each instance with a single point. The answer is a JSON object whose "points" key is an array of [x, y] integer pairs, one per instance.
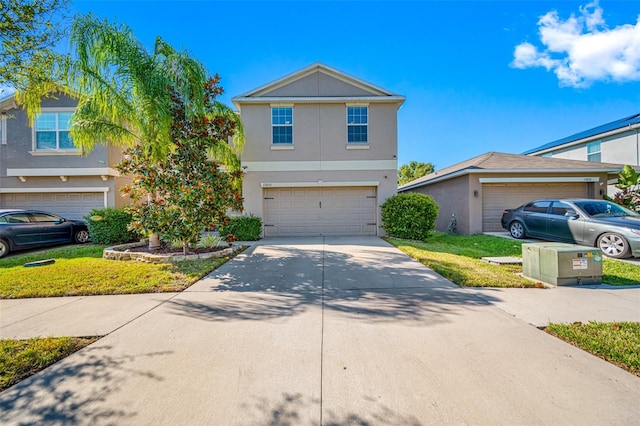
{"points": [[274, 146], [56, 151], [346, 112], [3, 132]]}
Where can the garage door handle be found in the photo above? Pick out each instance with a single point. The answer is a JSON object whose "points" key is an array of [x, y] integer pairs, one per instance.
{"points": [[320, 204]]}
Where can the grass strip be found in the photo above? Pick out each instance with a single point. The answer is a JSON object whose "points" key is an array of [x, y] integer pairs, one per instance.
{"points": [[20, 359], [617, 342], [81, 271], [457, 258]]}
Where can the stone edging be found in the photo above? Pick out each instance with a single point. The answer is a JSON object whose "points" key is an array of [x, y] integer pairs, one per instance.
{"points": [[120, 252]]}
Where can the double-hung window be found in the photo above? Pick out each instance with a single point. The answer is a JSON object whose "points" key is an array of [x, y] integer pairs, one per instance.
{"points": [[52, 131], [282, 125], [357, 124], [593, 152]]}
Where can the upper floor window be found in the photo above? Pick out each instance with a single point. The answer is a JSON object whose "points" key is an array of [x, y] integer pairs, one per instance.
{"points": [[593, 152], [282, 125], [357, 124], [52, 131]]}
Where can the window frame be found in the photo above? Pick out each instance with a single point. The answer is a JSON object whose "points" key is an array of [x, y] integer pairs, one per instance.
{"points": [[359, 124], [3, 131], [281, 125], [597, 153], [57, 149]]}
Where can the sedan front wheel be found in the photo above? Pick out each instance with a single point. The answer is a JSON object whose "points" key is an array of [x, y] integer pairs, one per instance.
{"points": [[82, 236], [516, 229], [613, 245], [4, 248]]}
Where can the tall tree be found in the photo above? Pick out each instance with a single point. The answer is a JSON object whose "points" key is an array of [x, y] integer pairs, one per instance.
{"points": [[29, 32], [192, 192], [413, 170], [126, 94]]}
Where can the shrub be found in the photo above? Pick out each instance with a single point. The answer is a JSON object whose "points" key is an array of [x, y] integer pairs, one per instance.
{"points": [[243, 228], [110, 226], [409, 215]]}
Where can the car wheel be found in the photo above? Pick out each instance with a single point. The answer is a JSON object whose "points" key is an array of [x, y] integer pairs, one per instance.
{"points": [[81, 236], [4, 248], [516, 229], [613, 245]]}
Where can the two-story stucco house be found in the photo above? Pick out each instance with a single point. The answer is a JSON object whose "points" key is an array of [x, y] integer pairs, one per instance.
{"points": [[41, 168], [321, 153], [614, 142]]}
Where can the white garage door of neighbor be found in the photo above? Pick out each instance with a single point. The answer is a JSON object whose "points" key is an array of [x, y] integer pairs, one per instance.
{"points": [[498, 197], [68, 205], [320, 211]]}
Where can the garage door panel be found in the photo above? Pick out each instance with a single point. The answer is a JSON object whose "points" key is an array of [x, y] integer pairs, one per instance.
{"points": [[68, 205], [498, 197], [320, 211]]}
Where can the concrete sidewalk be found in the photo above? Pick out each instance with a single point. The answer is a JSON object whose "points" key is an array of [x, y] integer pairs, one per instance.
{"points": [[335, 331]]}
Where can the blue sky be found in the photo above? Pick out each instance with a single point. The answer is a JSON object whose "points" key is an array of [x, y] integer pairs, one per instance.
{"points": [[478, 76]]}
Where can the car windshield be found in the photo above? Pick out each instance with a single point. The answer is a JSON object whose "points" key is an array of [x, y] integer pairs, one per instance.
{"points": [[604, 209]]}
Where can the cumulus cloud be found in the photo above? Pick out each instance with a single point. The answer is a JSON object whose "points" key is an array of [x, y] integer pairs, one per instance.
{"points": [[582, 49]]}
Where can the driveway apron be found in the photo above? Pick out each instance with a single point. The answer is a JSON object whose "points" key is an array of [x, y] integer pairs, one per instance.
{"points": [[335, 331]]}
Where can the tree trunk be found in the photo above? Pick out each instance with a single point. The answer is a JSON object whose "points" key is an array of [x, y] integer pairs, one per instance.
{"points": [[185, 247], [154, 242]]}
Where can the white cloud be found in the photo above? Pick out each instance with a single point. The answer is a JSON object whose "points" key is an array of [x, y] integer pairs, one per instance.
{"points": [[581, 49]]}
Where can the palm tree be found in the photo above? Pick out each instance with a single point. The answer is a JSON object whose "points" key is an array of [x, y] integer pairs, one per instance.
{"points": [[125, 92]]}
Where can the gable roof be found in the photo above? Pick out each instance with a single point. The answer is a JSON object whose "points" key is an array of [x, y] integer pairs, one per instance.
{"points": [[373, 92], [497, 162], [616, 126]]}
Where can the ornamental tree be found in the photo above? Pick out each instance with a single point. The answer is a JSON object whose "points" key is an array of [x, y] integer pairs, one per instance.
{"points": [[186, 191]]}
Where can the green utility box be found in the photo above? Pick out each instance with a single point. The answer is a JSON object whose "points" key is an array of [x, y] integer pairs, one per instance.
{"points": [[562, 264]]}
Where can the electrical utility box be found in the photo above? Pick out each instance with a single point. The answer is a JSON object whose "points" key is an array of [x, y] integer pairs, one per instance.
{"points": [[562, 264]]}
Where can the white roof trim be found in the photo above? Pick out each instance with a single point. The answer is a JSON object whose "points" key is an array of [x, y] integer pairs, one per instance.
{"points": [[319, 99], [86, 171], [500, 171], [319, 183], [56, 189], [540, 179]]}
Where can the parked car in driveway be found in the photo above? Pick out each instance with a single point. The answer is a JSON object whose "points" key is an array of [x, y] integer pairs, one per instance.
{"points": [[24, 229], [597, 223]]}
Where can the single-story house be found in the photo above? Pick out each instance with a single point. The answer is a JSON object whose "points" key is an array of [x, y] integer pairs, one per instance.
{"points": [[477, 191]]}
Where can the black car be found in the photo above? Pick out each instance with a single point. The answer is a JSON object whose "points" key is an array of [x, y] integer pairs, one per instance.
{"points": [[24, 229], [596, 223]]}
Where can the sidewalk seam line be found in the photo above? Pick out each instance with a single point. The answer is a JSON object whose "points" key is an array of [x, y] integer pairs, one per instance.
{"points": [[322, 329], [143, 313]]}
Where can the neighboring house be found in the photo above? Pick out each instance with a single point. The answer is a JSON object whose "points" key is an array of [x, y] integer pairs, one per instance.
{"points": [[320, 153], [615, 142], [41, 168], [478, 190]]}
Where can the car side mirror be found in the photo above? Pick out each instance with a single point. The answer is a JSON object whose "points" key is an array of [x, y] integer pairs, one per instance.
{"points": [[571, 214]]}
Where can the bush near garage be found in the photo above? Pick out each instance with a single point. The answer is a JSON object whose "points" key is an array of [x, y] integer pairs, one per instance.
{"points": [[110, 226], [410, 216], [243, 228]]}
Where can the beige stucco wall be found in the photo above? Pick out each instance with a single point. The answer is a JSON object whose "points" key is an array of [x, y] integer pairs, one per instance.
{"points": [[452, 198], [623, 148]]}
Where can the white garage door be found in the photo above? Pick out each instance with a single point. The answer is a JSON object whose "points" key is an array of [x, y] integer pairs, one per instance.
{"points": [[320, 211], [498, 197], [68, 205]]}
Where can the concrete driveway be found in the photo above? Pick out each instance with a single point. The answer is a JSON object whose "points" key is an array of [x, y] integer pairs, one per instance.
{"points": [[332, 331]]}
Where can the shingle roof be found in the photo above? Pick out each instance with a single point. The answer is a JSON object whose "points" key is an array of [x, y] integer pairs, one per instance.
{"points": [[497, 162], [604, 128]]}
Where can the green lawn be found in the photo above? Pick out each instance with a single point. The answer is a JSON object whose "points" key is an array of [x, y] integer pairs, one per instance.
{"points": [[457, 257], [618, 343], [20, 359], [81, 270]]}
